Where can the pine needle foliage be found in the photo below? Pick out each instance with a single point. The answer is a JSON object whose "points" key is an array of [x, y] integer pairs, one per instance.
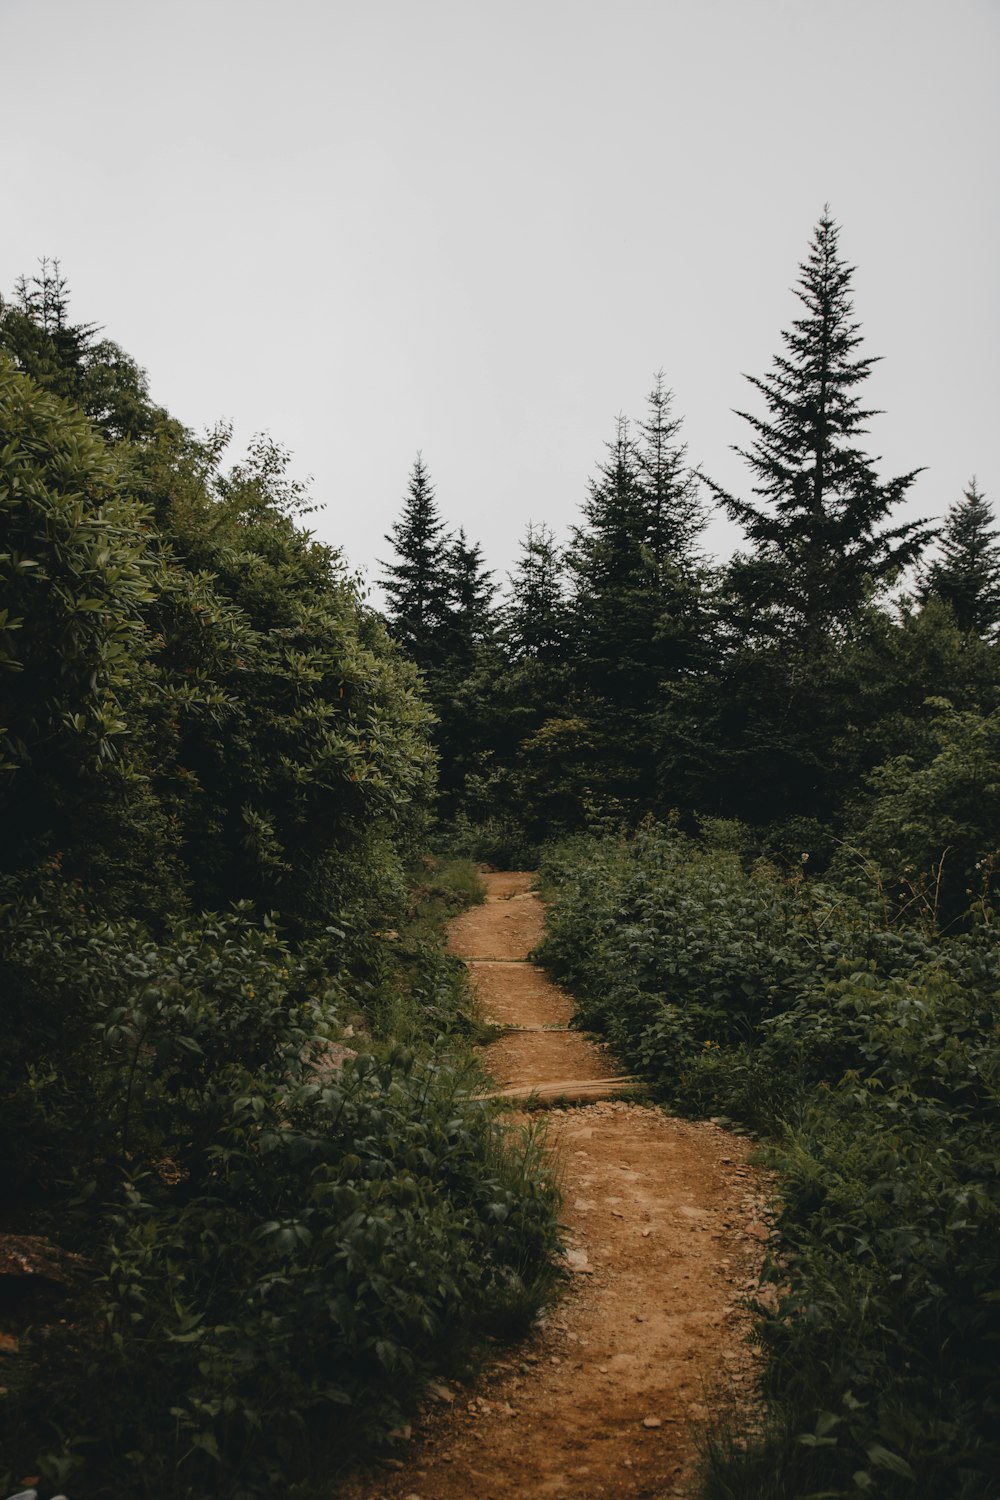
{"points": [[820, 545], [415, 583], [967, 573], [535, 626]]}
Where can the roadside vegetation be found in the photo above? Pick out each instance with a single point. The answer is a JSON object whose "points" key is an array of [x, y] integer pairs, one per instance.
{"points": [[859, 1039], [243, 1163]]}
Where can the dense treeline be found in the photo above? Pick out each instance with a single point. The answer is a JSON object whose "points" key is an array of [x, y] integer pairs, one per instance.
{"points": [[625, 673], [235, 1086], [779, 779]]}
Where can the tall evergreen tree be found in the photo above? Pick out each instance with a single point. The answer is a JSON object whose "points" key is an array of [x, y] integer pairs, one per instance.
{"points": [[460, 682], [675, 514], [535, 616], [820, 548], [416, 584], [633, 565], [610, 565], [780, 716], [636, 609], [469, 594], [967, 574], [440, 596]]}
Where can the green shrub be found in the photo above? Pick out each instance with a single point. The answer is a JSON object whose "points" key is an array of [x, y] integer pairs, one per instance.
{"points": [[868, 1050], [933, 829], [236, 1075], [286, 1238]]}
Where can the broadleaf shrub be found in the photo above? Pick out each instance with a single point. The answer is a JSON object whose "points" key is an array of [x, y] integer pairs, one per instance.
{"points": [[866, 1050], [236, 1076]]}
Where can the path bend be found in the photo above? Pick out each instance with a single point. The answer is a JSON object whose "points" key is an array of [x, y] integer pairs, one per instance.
{"points": [[665, 1227]]}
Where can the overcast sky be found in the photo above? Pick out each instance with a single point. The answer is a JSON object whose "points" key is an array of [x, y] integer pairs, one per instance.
{"points": [[478, 229]]}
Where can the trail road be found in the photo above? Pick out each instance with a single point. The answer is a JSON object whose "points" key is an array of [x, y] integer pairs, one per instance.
{"points": [[665, 1229]]}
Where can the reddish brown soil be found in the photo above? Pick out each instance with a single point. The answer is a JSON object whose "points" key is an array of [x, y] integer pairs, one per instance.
{"points": [[518, 994], [665, 1228]]}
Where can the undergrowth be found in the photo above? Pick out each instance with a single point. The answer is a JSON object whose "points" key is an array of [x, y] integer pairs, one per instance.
{"points": [[292, 1205], [864, 1048]]}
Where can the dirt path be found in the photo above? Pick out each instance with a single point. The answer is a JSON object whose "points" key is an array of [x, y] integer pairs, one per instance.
{"points": [[665, 1229]]}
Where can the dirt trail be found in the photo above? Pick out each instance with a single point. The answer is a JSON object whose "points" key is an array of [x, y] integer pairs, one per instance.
{"points": [[665, 1230]]}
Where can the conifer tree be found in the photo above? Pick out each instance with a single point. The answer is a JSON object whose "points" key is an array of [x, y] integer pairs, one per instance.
{"points": [[535, 617], [967, 574], [461, 676], [632, 563], [779, 717], [609, 567], [820, 546], [675, 514], [67, 359], [469, 593], [416, 584]]}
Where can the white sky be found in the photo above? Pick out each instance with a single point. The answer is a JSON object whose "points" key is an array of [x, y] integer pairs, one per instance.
{"points": [[478, 229]]}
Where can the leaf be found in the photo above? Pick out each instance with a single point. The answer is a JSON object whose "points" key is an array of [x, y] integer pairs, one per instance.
{"points": [[207, 1443], [883, 1458]]}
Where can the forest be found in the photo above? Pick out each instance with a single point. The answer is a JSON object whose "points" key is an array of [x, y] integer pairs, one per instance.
{"points": [[240, 1105]]}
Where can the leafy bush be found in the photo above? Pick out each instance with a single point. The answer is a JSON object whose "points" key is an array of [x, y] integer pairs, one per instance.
{"points": [[287, 1235], [868, 1052], [76, 571], [215, 774], [934, 829]]}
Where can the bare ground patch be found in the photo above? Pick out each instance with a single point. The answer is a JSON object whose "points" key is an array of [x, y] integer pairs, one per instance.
{"points": [[665, 1232]]}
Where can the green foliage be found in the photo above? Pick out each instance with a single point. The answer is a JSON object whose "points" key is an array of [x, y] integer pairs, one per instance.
{"points": [[313, 759], [68, 360], [414, 582], [777, 710], [966, 576], [818, 547], [637, 605], [290, 1232], [933, 830], [76, 571], [440, 596], [867, 1049], [237, 1075], [535, 617]]}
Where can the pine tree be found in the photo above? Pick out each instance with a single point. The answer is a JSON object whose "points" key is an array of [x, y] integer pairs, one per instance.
{"points": [[636, 613], [535, 616], [781, 715], [610, 567], [675, 514], [460, 679], [416, 584], [35, 328], [819, 545], [633, 565], [967, 574], [469, 593]]}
